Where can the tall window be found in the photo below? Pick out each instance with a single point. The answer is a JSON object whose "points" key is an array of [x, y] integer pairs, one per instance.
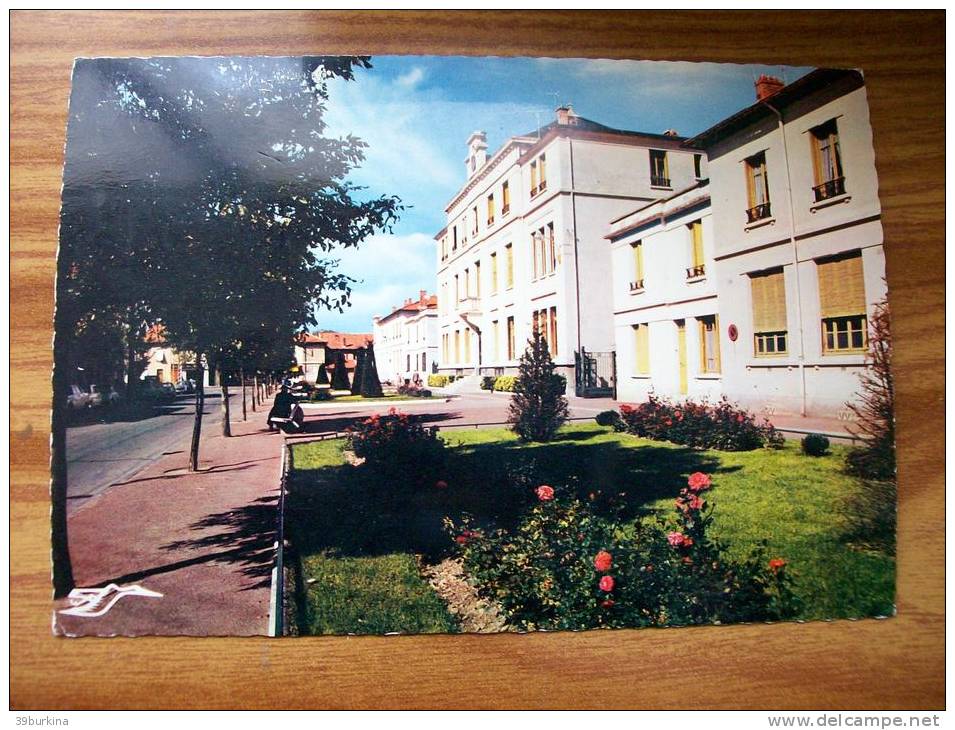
{"points": [[474, 221], [457, 346], [698, 166], [545, 322], [509, 265], [842, 304], [641, 338], [659, 169], [709, 344], [543, 251], [490, 209], [454, 232], [637, 283], [477, 279], [534, 178], [467, 345], [494, 273], [768, 289], [505, 199], [495, 340], [444, 347], [542, 171], [757, 188], [697, 266], [827, 161], [553, 331], [467, 284], [457, 289], [510, 338]]}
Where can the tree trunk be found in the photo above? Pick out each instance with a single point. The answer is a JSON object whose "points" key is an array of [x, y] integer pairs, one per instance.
{"points": [[62, 566], [245, 415], [131, 375], [226, 420], [255, 390], [197, 424]]}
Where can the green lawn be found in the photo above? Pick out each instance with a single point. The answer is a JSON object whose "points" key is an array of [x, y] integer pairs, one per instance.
{"points": [[343, 528], [362, 399]]}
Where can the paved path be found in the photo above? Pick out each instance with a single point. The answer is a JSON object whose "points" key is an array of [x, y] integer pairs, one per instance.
{"points": [[106, 453], [204, 540]]}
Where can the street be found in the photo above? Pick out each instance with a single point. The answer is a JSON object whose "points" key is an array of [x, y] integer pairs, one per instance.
{"points": [[100, 455]]}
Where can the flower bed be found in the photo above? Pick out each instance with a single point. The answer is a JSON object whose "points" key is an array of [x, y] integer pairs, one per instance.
{"points": [[722, 426]]}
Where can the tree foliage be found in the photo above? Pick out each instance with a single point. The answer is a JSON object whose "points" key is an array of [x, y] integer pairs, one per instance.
{"points": [[370, 384], [538, 407], [340, 373]]}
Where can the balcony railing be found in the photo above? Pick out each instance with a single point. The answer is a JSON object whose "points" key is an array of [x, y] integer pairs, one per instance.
{"points": [[469, 305], [636, 286], [658, 181], [541, 187], [758, 212], [830, 189], [696, 272]]}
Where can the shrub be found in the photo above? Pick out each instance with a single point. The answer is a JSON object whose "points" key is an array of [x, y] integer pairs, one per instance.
{"points": [[567, 567], [358, 374], [505, 383], [318, 394], [538, 407], [397, 446], [370, 384], [487, 382], [815, 444], [413, 390], [437, 381], [723, 426], [608, 418], [340, 373]]}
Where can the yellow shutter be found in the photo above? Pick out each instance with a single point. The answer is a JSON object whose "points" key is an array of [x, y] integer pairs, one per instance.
{"points": [[769, 302], [506, 199], [638, 260], [642, 335], [697, 231], [750, 186], [841, 287]]}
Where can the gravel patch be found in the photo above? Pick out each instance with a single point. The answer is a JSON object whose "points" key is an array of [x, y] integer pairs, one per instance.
{"points": [[475, 614]]}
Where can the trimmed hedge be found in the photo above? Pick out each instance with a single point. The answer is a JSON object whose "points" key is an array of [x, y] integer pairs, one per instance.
{"points": [[505, 383], [487, 382], [438, 381], [815, 444]]}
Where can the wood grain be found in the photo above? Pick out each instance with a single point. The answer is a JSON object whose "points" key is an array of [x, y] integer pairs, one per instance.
{"points": [[894, 663]]}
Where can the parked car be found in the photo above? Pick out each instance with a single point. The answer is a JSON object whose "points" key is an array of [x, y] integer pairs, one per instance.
{"points": [[169, 390], [77, 399], [100, 396]]}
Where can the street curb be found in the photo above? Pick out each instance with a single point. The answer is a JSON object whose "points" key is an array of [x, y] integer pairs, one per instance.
{"points": [[373, 404], [277, 591]]}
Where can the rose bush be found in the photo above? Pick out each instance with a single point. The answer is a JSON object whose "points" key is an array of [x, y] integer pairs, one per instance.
{"points": [[399, 448], [722, 426], [566, 566]]}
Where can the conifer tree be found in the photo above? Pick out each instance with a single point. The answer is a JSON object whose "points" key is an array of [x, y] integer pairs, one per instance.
{"points": [[538, 407], [322, 375], [359, 371], [340, 374], [370, 385]]}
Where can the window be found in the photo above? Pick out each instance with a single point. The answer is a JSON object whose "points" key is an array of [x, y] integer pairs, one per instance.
{"points": [[444, 347], [709, 344], [827, 161], [534, 178], [477, 279], [543, 251], [697, 268], [659, 169], [510, 338], [637, 284], [542, 171], [698, 166], [457, 290], [768, 290], [474, 215], [424, 361], [505, 199], [457, 346], [493, 273], [495, 344], [509, 265], [467, 345], [546, 323], [454, 231], [408, 362], [490, 209], [842, 304], [757, 188], [553, 331], [641, 338], [467, 284]]}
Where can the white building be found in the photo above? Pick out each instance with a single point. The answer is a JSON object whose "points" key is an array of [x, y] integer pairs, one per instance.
{"points": [[798, 258], [524, 242], [665, 314], [406, 341]]}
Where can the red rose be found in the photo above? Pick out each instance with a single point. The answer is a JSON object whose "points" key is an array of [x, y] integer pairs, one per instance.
{"points": [[603, 561], [678, 539], [698, 481], [545, 493], [607, 603], [461, 539], [669, 422], [776, 564], [441, 484], [697, 502], [606, 583], [739, 418]]}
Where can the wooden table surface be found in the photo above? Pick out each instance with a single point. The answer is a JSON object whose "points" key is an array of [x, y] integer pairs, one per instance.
{"points": [[893, 663]]}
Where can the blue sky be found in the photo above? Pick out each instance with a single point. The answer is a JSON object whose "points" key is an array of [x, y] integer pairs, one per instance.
{"points": [[416, 112]]}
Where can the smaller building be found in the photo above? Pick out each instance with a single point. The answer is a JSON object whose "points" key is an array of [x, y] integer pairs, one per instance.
{"points": [[666, 326], [406, 341], [314, 349]]}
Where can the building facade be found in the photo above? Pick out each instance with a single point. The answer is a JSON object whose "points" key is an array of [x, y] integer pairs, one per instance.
{"points": [[665, 313], [314, 349], [798, 256], [524, 244], [406, 341]]}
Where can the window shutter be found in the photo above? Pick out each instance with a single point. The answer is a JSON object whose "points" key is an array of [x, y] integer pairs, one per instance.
{"points": [[642, 333], [841, 286], [697, 231], [638, 260], [769, 301]]}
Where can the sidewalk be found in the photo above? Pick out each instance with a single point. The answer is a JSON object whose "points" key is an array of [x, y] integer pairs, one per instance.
{"points": [[203, 540]]}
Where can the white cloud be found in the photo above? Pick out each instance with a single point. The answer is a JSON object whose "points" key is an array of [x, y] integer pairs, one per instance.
{"points": [[411, 79]]}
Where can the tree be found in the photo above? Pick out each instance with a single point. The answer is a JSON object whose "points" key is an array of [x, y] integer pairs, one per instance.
{"points": [[322, 375], [370, 384], [359, 371], [538, 407], [340, 373], [870, 513]]}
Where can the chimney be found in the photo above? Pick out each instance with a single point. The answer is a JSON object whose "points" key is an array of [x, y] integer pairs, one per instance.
{"points": [[422, 294], [477, 152], [767, 86], [565, 115]]}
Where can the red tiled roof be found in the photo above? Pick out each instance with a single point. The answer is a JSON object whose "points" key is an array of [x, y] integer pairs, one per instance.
{"points": [[423, 302], [337, 340]]}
